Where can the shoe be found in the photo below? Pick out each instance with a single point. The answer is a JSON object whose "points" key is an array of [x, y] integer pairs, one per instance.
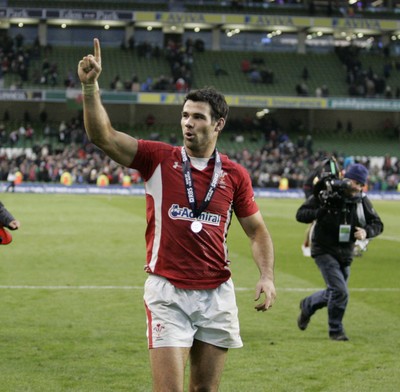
{"points": [[303, 319], [339, 336]]}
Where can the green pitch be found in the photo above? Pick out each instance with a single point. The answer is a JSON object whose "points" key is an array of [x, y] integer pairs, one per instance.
{"points": [[72, 317]]}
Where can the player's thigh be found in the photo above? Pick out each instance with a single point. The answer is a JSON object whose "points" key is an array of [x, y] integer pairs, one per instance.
{"points": [[168, 367], [206, 365]]}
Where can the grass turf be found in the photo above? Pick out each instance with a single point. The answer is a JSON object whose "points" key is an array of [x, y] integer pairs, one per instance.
{"points": [[72, 317]]}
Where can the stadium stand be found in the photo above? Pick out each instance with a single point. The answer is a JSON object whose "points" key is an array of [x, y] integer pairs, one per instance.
{"points": [[323, 68], [267, 162], [284, 70], [119, 62]]}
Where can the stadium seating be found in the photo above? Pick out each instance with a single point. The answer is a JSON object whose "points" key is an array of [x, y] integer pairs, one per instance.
{"points": [[286, 67], [360, 143], [323, 69], [116, 61]]}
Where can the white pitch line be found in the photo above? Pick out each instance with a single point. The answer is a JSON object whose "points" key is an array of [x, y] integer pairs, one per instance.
{"points": [[389, 238], [288, 289]]}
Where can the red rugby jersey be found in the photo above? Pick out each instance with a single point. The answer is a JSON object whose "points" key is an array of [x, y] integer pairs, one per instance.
{"points": [[189, 260]]}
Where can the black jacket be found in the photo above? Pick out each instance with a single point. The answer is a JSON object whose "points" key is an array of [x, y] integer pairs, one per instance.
{"points": [[325, 235], [5, 216]]}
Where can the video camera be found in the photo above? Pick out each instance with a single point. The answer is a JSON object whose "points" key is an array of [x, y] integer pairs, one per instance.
{"points": [[330, 189]]}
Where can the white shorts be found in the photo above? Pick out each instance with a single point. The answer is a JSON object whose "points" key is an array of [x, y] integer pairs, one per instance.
{"points": [[175, 317]]}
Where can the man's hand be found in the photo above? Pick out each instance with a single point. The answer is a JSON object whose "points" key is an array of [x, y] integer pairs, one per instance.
{"points": [[14, 225], [89, 68], [360, 234], [268, 288]]}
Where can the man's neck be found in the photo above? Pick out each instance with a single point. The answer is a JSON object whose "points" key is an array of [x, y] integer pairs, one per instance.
{"points": [[206, 153], [199, 163]]}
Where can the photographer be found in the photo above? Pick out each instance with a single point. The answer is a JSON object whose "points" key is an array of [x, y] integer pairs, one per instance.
{"points": [[343, 215]]}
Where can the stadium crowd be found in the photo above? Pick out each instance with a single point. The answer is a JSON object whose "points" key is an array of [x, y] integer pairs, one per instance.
{"points": [[278, 158]]}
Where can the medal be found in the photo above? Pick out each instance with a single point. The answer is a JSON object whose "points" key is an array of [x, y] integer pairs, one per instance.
{"points": [[196, 226]]}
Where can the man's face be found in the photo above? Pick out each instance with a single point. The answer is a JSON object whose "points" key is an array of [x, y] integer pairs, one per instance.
{"points": [[200, 131], [355, 187]]}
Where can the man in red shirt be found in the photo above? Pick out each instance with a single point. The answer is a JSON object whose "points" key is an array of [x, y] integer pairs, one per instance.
{"points": [[191, 193]]}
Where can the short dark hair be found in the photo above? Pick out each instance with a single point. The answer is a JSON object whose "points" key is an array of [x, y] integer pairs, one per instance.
{"points": [[219, 107]]}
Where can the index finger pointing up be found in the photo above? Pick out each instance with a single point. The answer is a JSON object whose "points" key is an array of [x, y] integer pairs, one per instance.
{"points": [[97, 51]]}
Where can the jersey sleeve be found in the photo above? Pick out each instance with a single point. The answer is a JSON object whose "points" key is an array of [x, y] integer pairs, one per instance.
{"points": [[244, 203], [149, 155]]}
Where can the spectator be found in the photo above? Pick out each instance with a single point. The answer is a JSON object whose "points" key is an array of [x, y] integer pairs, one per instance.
{"points": [[117, 84], [29, 133], [255, 76], [218, 70], [150, 120], [245, 66], [181, 85], [305, 73]]}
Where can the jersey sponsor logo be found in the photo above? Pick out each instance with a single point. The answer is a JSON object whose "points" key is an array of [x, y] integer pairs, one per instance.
{"points": [[183, 213]]}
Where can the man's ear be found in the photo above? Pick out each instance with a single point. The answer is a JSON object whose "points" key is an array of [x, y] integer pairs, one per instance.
{"points": [[220, 125]]}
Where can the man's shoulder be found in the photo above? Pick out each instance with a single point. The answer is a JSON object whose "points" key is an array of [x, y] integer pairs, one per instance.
{"points": [[155, 145], [239, 174], [235, 167], [150, 154], [156, 150], [228, 162]]}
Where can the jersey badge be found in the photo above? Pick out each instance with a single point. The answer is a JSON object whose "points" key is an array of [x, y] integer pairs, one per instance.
{"points": [[222, 183], [157, 331]]}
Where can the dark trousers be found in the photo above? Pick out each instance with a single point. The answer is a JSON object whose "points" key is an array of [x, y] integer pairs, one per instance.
{"points": [[336, 294]]}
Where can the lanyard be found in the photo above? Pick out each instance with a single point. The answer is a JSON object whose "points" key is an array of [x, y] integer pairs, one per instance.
{"points": [[187, 176]]}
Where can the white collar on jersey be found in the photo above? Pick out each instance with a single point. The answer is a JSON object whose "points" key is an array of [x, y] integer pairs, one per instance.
{"points": [[199, 163]]}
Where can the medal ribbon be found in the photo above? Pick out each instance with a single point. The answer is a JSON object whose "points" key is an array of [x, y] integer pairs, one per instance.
{"points": [[187, 176]]}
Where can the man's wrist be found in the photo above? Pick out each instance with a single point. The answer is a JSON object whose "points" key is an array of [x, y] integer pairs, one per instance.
{"points": [[89, 89]]}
